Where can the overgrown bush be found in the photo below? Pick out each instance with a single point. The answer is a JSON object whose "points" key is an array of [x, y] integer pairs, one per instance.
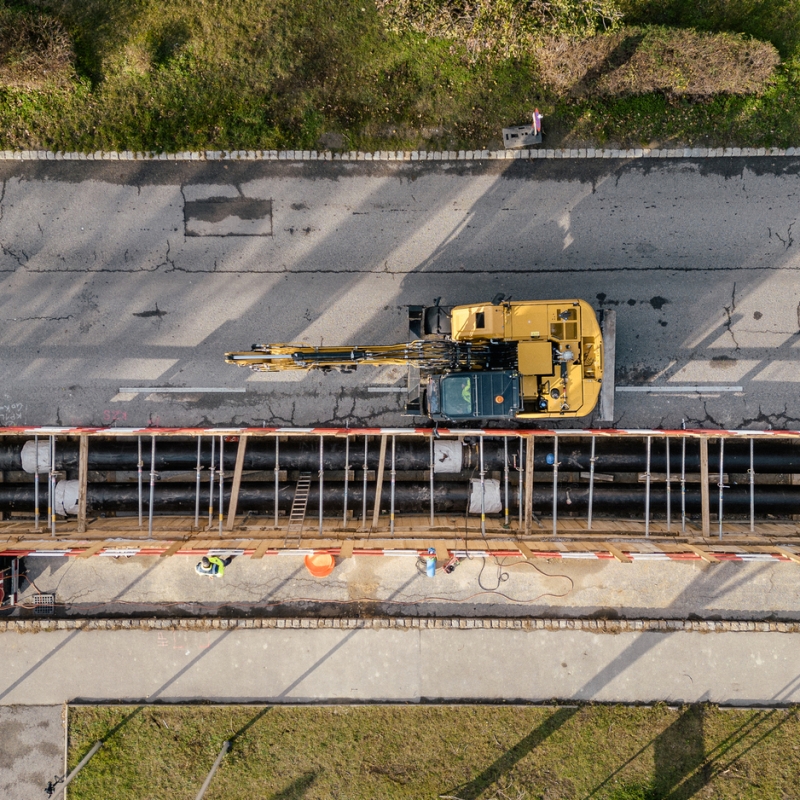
{"points": [[672, 61], [502, 27], [35, 52]]}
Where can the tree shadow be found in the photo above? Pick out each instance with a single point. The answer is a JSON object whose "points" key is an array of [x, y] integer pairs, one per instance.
{"points": [[679, 751], [509, 759], [297, 788]]}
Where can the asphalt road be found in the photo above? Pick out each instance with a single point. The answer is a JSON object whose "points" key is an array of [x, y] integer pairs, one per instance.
{"points": [[121, 276]]}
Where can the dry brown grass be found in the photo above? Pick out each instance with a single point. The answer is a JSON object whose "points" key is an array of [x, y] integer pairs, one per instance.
{"points": [[35, 52], [672, 61]]}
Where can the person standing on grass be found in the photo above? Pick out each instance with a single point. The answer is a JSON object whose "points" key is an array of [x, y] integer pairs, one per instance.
{"points": [[213, 566]]}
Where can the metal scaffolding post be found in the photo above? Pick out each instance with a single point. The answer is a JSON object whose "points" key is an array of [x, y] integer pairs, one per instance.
{"points": [[752, 491], [555, 485], [152, 486], [683, 485], [346, 478], [521, 485], [277, 477], [592, 459], [197, 485], [36, 485], [221, 481], [721, 482], [364, 489], [647, 490], [393, 485], [506, 523], [483, 490], [669, 488], [432, 465], [51, 511], [321, 478], [211, 485], [139, 466]]}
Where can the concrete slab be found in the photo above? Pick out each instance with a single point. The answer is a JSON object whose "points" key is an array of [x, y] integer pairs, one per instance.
{"points": [[392, 665], [31, 748], [394, 585]]}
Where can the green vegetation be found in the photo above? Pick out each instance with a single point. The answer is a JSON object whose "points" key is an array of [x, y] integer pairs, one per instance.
{"points": [[399, 74], [466, 752]]}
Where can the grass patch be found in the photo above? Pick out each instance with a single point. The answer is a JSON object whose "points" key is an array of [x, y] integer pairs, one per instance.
{"points": [[171, 75], [468, 752]]}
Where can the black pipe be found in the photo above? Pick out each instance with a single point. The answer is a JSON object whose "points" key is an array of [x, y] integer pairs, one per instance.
{"points": [[613, 455], [621, 499]]}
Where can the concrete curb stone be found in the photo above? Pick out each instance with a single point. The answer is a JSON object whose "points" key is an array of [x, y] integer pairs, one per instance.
{"points": [[404, 623]]}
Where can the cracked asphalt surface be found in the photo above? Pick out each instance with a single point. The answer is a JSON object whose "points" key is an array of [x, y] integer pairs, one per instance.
{"points": [[131, 275]]}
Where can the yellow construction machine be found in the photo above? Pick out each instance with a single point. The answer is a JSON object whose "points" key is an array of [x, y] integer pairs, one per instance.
{"points": [[524, 360]]}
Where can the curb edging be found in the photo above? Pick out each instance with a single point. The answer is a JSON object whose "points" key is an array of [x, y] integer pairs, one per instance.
{"points": [[403, 155], [402, 623]]}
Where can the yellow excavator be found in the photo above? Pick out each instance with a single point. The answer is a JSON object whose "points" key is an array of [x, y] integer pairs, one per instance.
{"points": [[530, 359]]}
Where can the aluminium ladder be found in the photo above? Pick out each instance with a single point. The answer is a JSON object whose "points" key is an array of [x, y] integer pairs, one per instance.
{"points": [[297, 515]]}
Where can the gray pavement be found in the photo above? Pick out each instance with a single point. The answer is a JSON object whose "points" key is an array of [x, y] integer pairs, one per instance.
{"points": [[31, 749], [280, 585], [393, 665], [135, 275]]}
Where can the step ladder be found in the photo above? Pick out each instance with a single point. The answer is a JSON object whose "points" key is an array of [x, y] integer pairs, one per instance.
{"points": [[297, 515]]}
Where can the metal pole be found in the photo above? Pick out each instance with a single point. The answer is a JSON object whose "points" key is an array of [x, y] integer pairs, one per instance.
{"points": [[52, 510], [647, 491], [506, 522], [36, 485], [277, 476], [197, 489], [521, 470], [207, 782], [364, 490], [152, 486], [433, 463], [555, 484], [221, 480], [669, 489], [752, 490], [483, 491], [211, 471], [721, 482], [139, 466], [81, 764], [346, 476], [683, 484], [321, 479], [393, 484], [591, 484]]}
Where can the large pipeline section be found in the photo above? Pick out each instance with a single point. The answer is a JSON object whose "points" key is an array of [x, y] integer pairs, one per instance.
{"points": [[623, 499], [612, 455]]}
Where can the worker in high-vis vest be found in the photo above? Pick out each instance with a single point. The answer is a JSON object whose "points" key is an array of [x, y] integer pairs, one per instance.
{"points": [[213, 566]]}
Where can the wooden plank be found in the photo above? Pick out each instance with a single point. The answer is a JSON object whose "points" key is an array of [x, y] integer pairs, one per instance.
{"points": [[347, 549], [792, 556], [237, 482], [261, 549], [528, 483], [527, 553], [172, 549], [376, 513], [704, 498], [83, 476], [708, 557], [442, 553], [617, 553], [92, 549]]}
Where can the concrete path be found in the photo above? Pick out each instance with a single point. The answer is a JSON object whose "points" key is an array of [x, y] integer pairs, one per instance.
{"points": [[392, 585], [116, 275], [31, 749], [394, 665]]}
